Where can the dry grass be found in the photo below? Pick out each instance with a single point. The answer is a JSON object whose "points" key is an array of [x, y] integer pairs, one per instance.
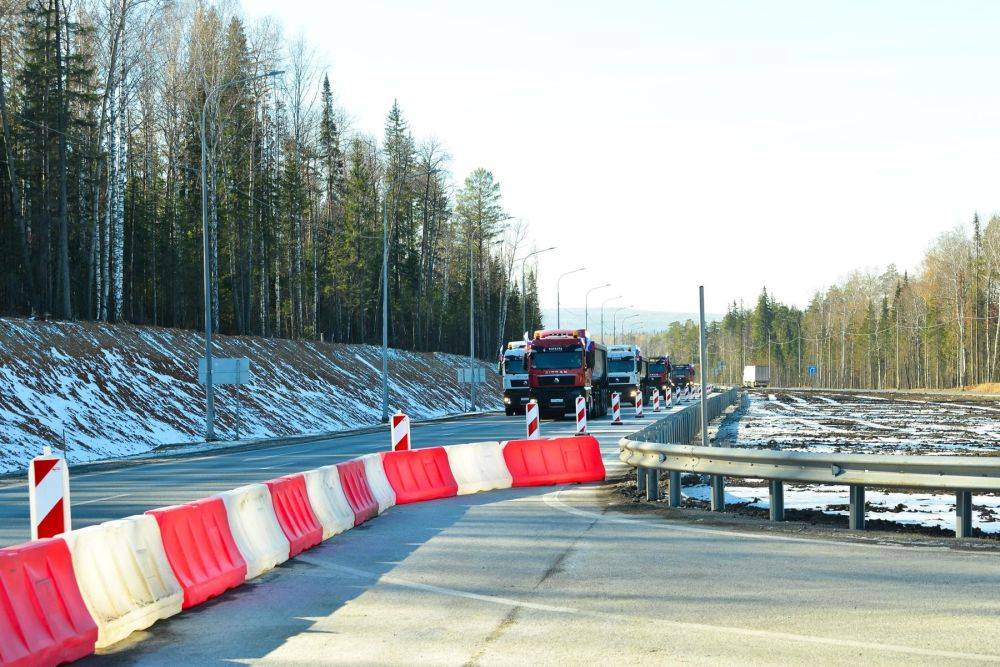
{"points": [[984, 388]]}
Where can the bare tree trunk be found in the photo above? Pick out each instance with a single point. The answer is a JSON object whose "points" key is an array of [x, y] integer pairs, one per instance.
{"points": [[15, 198]]}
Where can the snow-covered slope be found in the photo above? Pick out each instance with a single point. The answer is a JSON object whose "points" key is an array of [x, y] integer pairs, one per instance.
{"points": [[116, 390]]}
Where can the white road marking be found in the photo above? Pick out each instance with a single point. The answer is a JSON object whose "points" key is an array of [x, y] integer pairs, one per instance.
{"points": [[99, 500]]}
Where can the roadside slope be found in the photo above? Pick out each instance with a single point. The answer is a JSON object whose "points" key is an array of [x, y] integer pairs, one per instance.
{"points": [[118, 389]]}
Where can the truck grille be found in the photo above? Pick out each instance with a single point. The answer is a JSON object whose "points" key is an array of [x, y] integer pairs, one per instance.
{"points": [[555, 380], [518, 383], [618, 380]]}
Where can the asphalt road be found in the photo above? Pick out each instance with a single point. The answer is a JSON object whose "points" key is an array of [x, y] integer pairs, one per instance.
{"points": [[134, 488], [540, 576]]}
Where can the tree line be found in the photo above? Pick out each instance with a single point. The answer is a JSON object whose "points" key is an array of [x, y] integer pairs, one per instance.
{"points": [[937, 328], [102, 104]]}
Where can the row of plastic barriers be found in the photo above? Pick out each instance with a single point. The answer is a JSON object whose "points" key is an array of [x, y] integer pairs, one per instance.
{"points": [[63, 598]]}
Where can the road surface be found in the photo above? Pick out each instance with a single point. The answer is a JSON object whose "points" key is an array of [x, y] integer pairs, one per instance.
{"points": [[551, 575]]}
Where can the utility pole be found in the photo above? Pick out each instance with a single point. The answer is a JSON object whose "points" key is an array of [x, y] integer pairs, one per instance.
{"points": [[718, 491], [385, 311], [768, 356], [586, 303], [614, 298], [472, 330], [206, 252], [524, 294], [558, 307]]}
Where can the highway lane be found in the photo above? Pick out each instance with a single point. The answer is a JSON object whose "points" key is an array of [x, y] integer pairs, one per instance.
{"points": [[134, 488], [550, 576]]}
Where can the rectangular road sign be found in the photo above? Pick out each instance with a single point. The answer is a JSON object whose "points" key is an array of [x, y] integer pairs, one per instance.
{"points": [[226, 370], [468, 375]]}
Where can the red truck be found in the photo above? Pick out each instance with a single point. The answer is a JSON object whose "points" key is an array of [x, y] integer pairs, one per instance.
{"points": [[563, 364], [657, 376]]}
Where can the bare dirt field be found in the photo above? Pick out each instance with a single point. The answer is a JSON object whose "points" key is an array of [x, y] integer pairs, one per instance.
{"points": [[865, 423]]}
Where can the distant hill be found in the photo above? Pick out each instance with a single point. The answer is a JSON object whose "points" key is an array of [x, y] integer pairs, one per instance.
{"points": [[651, 320]]}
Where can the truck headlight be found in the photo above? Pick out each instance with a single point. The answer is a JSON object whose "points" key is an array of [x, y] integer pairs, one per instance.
{"points": [[506, 399], [632, 393]]}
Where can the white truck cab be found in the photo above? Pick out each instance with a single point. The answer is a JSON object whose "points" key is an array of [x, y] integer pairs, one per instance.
{"points": [[625, 371], [515, 378]]}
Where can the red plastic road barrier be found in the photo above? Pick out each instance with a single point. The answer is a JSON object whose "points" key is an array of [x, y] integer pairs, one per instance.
{"points": [[359, 494], [201, 549], [554, 461], [43, 619], [419, 474], [295, 514]]}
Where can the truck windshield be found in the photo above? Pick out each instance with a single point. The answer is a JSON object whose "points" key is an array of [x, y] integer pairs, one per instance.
{"points": [[550, 359], [621, 365], [513, 366], [656, 368]]}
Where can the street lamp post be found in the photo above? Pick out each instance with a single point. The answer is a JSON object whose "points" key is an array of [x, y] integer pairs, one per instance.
{"points": [[385, 309], [586, 297], [614, 298], [524, 298], [624, 320], [206, 252], [558, 306], [614, 326]]}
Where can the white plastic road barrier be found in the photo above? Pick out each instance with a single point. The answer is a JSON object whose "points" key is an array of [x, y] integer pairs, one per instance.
{"points": [[124, 576], [48, 495], [581, 415], [656, 400], [255, 528], [400, 428], [616, 408], [531, 419], [326, 495], [378, 482], [478, 466], [638, 404]]}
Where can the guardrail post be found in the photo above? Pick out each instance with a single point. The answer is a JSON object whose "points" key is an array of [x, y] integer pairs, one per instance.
{"points": [[963, 514], [718, 493], [640, 479], [653, 484], [777, 504], [675, 488], [856, 520]]}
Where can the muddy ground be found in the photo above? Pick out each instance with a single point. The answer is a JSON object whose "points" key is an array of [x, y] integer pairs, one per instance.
{"points": [[859, 423]]}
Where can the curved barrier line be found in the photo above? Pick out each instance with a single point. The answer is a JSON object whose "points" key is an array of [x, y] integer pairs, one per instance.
{"points": [[129, 573]]}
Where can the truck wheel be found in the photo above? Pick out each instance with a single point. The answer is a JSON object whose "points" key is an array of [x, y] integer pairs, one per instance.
{"points": [[509, 410]]}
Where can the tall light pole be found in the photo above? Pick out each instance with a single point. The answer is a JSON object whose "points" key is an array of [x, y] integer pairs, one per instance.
{"points": [[718, 492], [624, 320], [614, 326], [206, 251], [472, 330], [524, 297], [558, 306], [614, 298], [586, 297], [385, 308]]}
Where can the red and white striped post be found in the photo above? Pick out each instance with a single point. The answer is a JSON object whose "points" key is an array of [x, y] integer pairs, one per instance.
{"points": [[616, 408], [531, 419], [656, 399], [48, 495], [668, 397], [400, 427], [581, 415], [638, 405]]}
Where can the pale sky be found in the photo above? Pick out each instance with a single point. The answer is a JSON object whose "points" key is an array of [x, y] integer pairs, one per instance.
{"points": [[735, 144]]}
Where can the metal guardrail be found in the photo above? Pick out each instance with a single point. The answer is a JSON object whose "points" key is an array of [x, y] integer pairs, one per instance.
{"points": [[663, 446]]}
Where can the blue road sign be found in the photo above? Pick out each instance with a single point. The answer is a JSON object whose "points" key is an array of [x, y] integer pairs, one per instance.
{"points": [[812, 370]]}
